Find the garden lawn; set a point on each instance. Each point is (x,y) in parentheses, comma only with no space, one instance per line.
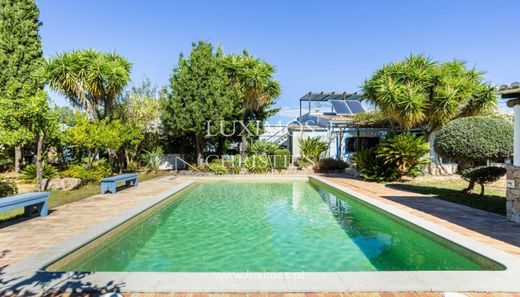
(58,198)
(450,189)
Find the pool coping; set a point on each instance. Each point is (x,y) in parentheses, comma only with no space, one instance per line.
(28,276)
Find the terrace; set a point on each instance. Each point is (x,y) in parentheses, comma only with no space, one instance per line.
(98,214)
(176,185)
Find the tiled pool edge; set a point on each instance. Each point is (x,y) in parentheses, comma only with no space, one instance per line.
(32,267)
(504,281)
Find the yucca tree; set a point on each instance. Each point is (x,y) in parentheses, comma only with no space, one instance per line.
(311,148)
(421,93)
(259,88)
(89,79)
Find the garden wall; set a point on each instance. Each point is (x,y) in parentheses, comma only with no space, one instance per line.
(441,169)
(513,194)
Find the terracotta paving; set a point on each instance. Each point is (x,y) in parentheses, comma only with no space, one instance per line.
(352,294)
(489,228)
(22,239)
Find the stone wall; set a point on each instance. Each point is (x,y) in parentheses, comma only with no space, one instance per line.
(513,194)
(441,169)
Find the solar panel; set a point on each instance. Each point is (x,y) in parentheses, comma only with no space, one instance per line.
(355,106)
(340,107)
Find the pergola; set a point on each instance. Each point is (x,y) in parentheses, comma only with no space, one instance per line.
(512,93)
(323,97)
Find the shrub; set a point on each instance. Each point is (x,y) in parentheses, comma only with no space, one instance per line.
(217,167)
(29,172)
(132,165)
(406,151)
(234,164)
(261,147)
(281,159)
(311,148)
(372,168)
(6,159)
(199,168)
(475,139)
(153,159)
(7,188)
(330,164)
(95,173)
(482,175)
(258,164)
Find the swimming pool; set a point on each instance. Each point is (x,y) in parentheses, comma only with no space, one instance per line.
(269,226)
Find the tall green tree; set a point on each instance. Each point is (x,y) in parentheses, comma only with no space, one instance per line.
(89,79)
(20,59)
(421,93)
(258,88)
(140,108)
(38,120)
(108,135)
(198,92)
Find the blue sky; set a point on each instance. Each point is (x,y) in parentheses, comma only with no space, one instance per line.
(315,45)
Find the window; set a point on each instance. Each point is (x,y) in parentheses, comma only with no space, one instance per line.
(364,143)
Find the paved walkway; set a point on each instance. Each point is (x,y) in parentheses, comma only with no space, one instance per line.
(353,294)
(489,228)
(23,239)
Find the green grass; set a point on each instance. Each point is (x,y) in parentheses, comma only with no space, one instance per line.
(494,199)
(58,198)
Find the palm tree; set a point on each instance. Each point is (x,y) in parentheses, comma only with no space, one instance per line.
(89,79)
(421,93)
(259,88)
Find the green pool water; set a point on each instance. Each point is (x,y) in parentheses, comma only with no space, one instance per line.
(239,226)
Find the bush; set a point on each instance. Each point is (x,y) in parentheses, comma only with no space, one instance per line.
(408,152)
(258,164)
(6,159)
(217,167)
(29,172)
(482,175)
(95,173)
(475,140)
(153,159)
(281,159)
(330,164)
(311,149)
(372,168)
(233,166)
(261,147)
(7,188)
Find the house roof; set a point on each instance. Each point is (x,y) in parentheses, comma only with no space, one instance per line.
(322,96)
(509,91)
(512,92)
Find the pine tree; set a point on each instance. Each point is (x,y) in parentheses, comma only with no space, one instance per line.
(21,59)
(199,93)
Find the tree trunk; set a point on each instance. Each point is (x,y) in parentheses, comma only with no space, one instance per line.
(198,145)
(481,189)
(470,187)
(121,160)
(243,144)
(127,157)
(18,158)
(108,108)
(221,142)
(39,164)
(243,133)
